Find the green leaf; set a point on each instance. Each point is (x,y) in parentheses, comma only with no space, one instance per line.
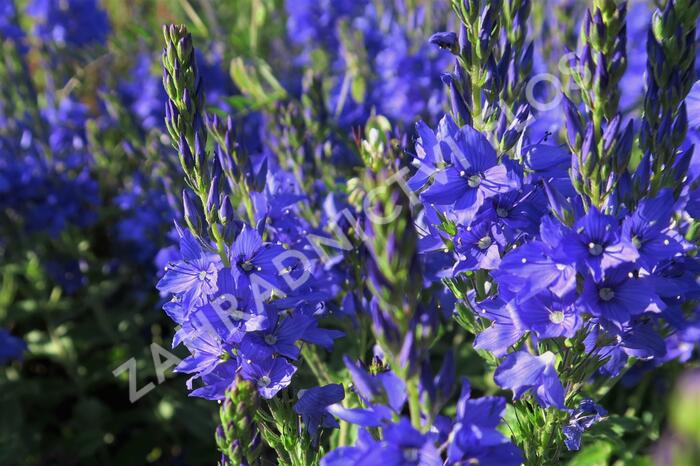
(596,454)
(358,89)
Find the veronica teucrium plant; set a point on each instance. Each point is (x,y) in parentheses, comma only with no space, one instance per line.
(382,232)
(337,281)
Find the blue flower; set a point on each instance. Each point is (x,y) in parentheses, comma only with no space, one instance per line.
(280,339)
(143,93)
(314,23)
(401,445)
(207,351)
(195,276)
(269,375)
(408,83)
(471,170)
(620,296)
(538,266)
(250,256)
(313,407)
(11,347)
(597,244)
(515,215)
(69,22)
(217,381)
(375,391)
(506,329)
(550,317)
(547,161)
(522,372)
(648,228)
(230,313)
(9,28)
(641,341)
(476,247)
(582,419)
(475,438)
(445,40)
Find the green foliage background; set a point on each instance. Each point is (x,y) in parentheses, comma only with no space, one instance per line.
(62,405)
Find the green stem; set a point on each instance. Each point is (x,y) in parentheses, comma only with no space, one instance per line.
(316,365)
(476,98)
(245,195)
(414,406)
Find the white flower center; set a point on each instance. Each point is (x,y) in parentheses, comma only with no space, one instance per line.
(410,454)
(484,243)
(474,181)
(606,294)
(595,249)
(264,381)
(556,317)
(270,339)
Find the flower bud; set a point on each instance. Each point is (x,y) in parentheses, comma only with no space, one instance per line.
(589,151)
(445,40)
(190,212)
(558,204)
(213,195)
(459,107)
(623,149)
(225,210)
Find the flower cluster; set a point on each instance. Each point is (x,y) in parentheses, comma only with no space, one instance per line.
(567,258)
(365,46)
(74,23)
(242,302)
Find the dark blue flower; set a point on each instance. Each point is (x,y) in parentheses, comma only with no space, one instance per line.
(547,161)
(444,40)
(476,247)
(582,419)
(401,445)
(464,169)
(230,313)
(538,266)
(143,93)
(648,228)
(217,381)
(597,244)
(515,215)
(269,375)
(11,347)
(251,257)
(375,391)
(382,387)
(620,296)
(550,317)
(475,438)
(280,339)
(313,407)
(506,329)
(195,276)
(207,352)
(69,22)
(522,372)
(9,26)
